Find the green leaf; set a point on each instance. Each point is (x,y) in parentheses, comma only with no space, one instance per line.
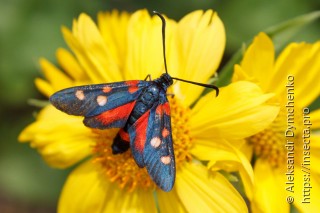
(226,72)
(230,176)
(38,103)
(283,32)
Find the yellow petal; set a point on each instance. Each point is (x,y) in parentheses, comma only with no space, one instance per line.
(121,200)
(92,53)
(307,190)
(56,77)
(170,202)
(290,68)
(240,75)
(315,139)
(315,119)
(295,60)
(238,112)
(270,192)
(97,51)
(200,191)
(44,87)
(236,164)
(66,152)
(144,46)
(245,148)
(81,56)
(113,27)
(223,156)
(204,150)
(315,159)
(199,43)
(70,64)
(84,191)
(258,60)
(88,190)
(61,139)
(307,86)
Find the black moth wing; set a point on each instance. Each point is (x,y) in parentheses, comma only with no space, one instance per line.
(82,100)
(95,101)
(156,151)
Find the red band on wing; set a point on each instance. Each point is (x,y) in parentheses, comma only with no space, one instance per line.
(132,82)
(133,89)
(124,135)
(159,110)
(119,113)
(141,132)
(166,108)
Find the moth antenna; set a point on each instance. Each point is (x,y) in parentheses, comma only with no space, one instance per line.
(211,86)
(163,39)
(165,59)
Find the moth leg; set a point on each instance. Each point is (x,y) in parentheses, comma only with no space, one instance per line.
(148,77)
(171,95)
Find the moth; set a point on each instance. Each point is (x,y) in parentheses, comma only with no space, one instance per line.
(140,109)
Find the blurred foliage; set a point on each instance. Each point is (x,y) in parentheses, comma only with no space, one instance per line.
(30,29)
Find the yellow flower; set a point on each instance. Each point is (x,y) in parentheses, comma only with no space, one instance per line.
(126,47)
(286,153)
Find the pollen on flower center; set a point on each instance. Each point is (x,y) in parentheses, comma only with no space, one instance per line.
(182,141)
(270,143)
(122,169)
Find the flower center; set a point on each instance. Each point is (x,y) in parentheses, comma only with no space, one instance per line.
(122,169)
(270,143)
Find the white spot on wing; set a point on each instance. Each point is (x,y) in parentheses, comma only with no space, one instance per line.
(166,159)
(155,142)
(80,95)
(101,100)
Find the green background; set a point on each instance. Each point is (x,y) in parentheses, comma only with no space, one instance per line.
(31,29)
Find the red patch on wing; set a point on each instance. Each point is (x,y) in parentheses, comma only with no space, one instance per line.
(166,108)
(124,135)
(159,110)
(119,113)
(133,85)
(106,89)
(141,132)
(165,132)
(133,89)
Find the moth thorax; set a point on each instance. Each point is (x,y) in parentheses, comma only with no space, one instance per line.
(164,81)
(150,95)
